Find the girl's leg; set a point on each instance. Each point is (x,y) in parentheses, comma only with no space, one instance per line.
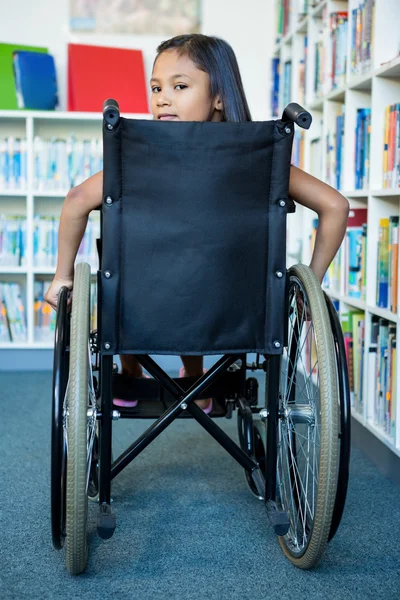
(193,365)
(130,365)
(193,368)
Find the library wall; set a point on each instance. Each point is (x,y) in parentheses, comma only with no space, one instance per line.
(46,23)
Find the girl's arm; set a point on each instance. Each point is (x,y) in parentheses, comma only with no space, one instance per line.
(333,211)
(80,201)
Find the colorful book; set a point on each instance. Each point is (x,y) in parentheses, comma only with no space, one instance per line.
(383,264)
(8,96)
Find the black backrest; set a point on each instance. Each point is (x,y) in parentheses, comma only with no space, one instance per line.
(193,228)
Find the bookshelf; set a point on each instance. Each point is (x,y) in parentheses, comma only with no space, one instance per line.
(30,200)
(372,83)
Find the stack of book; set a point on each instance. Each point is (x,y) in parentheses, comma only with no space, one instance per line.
(45,242)
(13,164)
(351,257)
(353,326)
(286,13)
(362,36)
(60,164)
(391,147)
(363,138)
(338,43)
(45,316)
(334,153)
(388,263)
(12,313)
(355,254)
(381,374)
(12,241)
(320,59)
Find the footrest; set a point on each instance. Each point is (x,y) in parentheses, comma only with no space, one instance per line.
(278,518)
(106,522)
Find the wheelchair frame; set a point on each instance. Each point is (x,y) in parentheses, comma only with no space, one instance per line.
(293,113)
(184,401)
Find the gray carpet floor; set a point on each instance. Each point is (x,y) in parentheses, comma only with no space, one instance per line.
(187,525)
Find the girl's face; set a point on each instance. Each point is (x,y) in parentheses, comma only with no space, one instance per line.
(181,92)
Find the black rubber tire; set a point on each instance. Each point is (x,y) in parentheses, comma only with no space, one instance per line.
(58,441)
(344,418)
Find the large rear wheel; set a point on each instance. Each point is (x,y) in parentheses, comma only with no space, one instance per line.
(307,461)
(81,424)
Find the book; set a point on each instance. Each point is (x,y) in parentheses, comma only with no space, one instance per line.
(275,86)
(362,36)
(355,283)
(62,163)
(35,80)
(8,96)
(372,366)
(354,253)
(13,311)
(382,288)
(393,392)
(391,147)
(88,87)
(12,240)
(362,138)
(5,334)
(13,163)
(394,263)
(358,329)
(44,316)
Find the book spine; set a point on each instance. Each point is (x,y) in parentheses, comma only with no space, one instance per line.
(382,279)
(372,356)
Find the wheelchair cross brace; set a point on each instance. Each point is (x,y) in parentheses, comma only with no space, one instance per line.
(184,401)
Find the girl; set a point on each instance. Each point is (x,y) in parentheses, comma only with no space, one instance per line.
(196,78)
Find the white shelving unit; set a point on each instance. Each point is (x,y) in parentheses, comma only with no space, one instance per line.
(376,88)
(29,202)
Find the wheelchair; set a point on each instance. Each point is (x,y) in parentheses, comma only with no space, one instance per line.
(204,207)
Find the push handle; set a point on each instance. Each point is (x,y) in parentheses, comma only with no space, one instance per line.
(299,115)
(111,112)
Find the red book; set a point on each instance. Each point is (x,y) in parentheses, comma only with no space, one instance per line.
(96,73)
(357,217)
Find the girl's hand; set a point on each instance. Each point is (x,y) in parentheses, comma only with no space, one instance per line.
(51,296)
(303,311)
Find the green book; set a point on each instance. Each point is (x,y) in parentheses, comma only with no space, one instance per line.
(8,96)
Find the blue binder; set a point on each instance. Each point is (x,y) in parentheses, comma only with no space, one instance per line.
(35,80)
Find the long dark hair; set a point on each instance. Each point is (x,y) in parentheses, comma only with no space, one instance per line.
(217,58)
